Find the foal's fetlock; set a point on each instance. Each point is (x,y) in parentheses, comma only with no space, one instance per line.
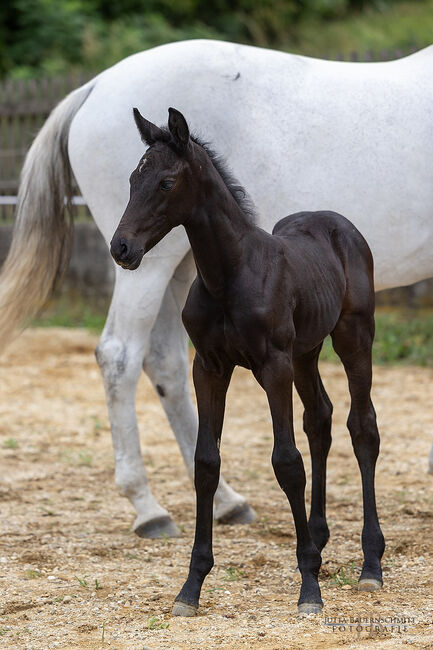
(186,602)
(310,600)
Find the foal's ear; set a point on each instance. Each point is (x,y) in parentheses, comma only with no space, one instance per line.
(178,128)
(149,132)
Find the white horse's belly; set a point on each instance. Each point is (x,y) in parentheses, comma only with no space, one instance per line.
(300,134)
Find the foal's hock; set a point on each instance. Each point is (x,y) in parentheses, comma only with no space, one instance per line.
(264,302)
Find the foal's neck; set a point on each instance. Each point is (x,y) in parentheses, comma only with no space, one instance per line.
(216,230)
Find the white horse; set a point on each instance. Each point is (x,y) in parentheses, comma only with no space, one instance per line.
(300,134)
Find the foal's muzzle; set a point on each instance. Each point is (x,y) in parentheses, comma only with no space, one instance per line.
(125,252)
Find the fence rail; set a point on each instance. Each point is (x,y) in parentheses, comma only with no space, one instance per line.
(26,103)
(24,106)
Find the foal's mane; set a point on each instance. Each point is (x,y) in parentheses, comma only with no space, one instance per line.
(237,191)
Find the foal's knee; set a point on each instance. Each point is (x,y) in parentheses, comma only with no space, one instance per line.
(317,423)
(207,469)
(289,468)
(364,433)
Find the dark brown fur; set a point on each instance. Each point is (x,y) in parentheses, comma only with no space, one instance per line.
(264,302)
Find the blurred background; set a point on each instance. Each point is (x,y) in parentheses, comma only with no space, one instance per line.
(49,47)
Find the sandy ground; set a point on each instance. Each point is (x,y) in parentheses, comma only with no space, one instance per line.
(73,575)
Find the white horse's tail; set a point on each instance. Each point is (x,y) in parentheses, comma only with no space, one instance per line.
(41,241)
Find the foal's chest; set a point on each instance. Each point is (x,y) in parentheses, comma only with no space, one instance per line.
(241,337)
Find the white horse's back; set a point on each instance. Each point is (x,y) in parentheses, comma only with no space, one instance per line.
(299,133)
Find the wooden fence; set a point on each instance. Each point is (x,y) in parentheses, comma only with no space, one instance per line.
(25,105)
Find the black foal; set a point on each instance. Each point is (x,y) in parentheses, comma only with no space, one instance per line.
(264,302)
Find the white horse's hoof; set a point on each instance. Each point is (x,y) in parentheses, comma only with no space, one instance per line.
(158,527)
(369,584)
(310,608)
(183,609)
(240,514)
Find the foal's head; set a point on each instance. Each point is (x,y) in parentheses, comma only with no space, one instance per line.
(163,188)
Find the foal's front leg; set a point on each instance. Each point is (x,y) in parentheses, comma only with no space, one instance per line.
(211,392)
(276,377)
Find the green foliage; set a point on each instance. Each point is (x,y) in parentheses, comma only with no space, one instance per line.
(343,577)
(401,338)
(232,574)
(72,311)
(53,36)
(154,623)
(10,443)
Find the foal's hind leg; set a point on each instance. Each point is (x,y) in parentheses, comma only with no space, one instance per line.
(317,426)
(352,339)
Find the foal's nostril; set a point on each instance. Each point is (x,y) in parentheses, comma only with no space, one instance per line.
(123,249)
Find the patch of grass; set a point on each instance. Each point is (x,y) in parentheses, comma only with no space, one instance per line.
(401,338)
(69,310)
(10,443)
(166,539)
(98,585)
(32,574)
(83,582)
(97,425)
(156,624)
(131,556)
(232,574)
(80,458)
(85,459)
(343,577)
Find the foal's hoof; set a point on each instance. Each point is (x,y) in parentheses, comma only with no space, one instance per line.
(369,584)
(241,514)
(183,609)
(159,527)
(310,608)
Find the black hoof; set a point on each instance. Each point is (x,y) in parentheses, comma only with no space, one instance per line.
(241,514)
(159,527)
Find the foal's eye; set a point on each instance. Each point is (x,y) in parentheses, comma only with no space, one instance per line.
(166,185)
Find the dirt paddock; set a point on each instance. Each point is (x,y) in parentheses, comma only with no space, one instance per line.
(73,575)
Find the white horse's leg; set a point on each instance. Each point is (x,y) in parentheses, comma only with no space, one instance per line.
(123,345)
(167,366)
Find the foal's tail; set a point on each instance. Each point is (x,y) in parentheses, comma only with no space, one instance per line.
(41,241)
